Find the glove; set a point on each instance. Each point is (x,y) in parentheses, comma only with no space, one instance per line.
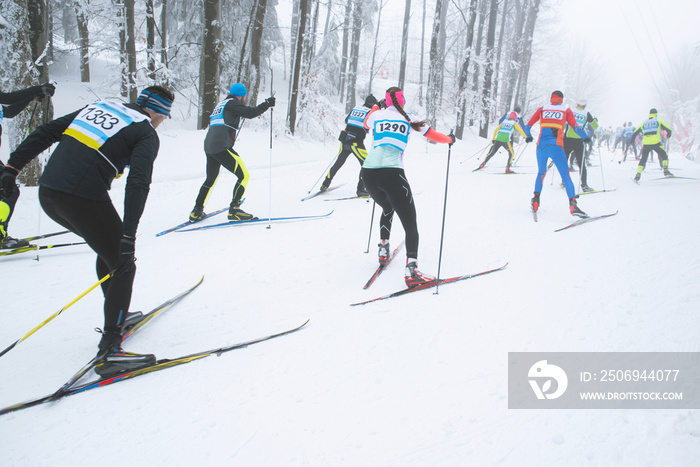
(528,139)
(127,250)
(668,134)
(587,140)
(48,89)
(453,137)
(270,101)
(382,104)
(8,182)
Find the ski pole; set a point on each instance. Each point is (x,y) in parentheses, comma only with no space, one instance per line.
(522,151)
(444,212)
(55,314)
(322,175)
(371,221)
(269,208)
(477,152)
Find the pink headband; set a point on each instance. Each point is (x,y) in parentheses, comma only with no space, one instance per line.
(399,97)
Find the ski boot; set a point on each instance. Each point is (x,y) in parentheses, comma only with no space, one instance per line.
(235,213)
(7,242)
(413,276)
(384,252)
(668,174)
(587,189)
(509,170)
(120,361)
(574,209)
(325,185)
(535,202)
(197,214)
(131,320)
(362,193)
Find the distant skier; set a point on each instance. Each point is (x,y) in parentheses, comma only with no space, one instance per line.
(224,124)
(574,144)
(628,141)
(651,130)
(95,145)
(501,139)
(550,145)
(11,104)
(385,179)
(352,141)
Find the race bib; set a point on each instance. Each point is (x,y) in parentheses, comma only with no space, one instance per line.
(96,123)
(217,116)
(393,133)
(553,115)
(357,117)
(650,127)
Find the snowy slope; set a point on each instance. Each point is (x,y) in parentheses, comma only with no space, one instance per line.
(417,380)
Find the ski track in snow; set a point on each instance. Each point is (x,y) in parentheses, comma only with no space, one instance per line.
(416,380)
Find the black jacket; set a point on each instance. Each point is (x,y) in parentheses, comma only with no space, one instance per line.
(79,170)
(220,137)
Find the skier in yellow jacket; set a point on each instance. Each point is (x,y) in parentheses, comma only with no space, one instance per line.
(501,139)
(651,141)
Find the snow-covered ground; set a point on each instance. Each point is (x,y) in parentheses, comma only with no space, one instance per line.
(415,380)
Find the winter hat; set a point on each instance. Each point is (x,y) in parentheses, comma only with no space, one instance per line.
(238,90)
(148,99)
(513,116)
(370,101)
(399,97)
(653,112)
(582,103)
(557,97)
(517,108)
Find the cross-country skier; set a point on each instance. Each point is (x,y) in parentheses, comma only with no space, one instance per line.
(385,179)
(352,141)
(224,123)
(574,143)
(95,144)
(651,141)
(11,104)
(628,141)
(501,139)
(550,145)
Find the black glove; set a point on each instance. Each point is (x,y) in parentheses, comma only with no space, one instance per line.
(382,104)
(587,140)
(270,101)
(8,183)
(127,250)
(668,134)
(528,139)
(453,137)
(48,89)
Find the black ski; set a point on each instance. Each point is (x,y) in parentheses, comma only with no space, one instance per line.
(585,220)
(313,195)
(24,249)
(185,224)
(673,176)
(595,191)
(161,364)
(349,197)
(37,237)
(429,285)
(382,267)
(128,333)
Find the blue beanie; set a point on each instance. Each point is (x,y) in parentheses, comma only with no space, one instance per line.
(238,90)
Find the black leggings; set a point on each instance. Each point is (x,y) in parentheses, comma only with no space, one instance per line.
(658,149)
(234,164)
(101,227)
(498,145)
(389,188)
(347,148)
(576,147)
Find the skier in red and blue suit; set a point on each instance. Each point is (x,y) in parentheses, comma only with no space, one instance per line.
(550,145)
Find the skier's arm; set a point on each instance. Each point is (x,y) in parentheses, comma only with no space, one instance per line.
(520,130)
(438,137)
(138,181)
(40,140)
(25,95)
(571,121)
(665,126)
(496,132)
(13,109)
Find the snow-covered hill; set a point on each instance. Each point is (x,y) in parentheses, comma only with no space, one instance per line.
(416,380)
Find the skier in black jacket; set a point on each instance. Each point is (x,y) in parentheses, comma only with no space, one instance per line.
(96,143)
(11,104)
(224,124)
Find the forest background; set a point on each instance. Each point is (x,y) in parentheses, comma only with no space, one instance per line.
(462,63)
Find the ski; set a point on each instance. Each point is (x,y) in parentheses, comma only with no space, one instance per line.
(53,234)
(24,249)
(595,191)
(255,221)
(349,197)
(315,194)
(585,220)
(128,333)
(382,267)
(185,224)
(429,285)
(161,364)
(673,176)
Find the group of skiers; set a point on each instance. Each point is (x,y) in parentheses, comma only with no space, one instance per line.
(97,142)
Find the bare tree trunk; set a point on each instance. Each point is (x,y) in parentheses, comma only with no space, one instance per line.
(464,72)
(43,111)
(477,54)
(131,48)
(497,65)
(84,37)
(521,96)
(354,56)
(150,41)
(512,70)
(488,71)
(255,48)
(243,64)
(209,64)
(164,33)
(435,70)
(344,53)
(422,53)
(296,78)
(404,43)
(382,3)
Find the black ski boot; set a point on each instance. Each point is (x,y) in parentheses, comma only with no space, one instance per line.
(197,214)
(574,209)
(235,213)
(120,361)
